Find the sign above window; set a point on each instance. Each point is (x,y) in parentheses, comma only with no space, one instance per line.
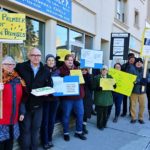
(60,9)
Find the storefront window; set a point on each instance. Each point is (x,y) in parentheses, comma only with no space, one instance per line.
(35,38)
(75,36)
(88,42)
(61,37)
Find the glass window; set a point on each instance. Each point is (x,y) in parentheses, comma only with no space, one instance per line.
(88,42)
(35,38)
(61,37)
(136,19)
(75,36)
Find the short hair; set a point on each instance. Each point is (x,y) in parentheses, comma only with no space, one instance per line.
(67,56)
(8,59)
(117,64)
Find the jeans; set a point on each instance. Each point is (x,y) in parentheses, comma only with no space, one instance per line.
(48,122)
(118,101)
(29,128)
(77,107)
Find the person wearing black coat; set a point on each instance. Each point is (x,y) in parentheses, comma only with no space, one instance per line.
(35,76)
(87,100)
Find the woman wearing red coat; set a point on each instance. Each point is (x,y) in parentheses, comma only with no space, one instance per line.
(12,89)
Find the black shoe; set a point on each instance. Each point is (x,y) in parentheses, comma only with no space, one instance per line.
(93,112)
(80,136)
(66,137)
(46,146)
(50,144)
(133,121)
(85,131)
(123,115)
(141,121)
(115,120)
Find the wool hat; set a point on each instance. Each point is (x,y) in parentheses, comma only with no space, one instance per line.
(48,56)
(139,60)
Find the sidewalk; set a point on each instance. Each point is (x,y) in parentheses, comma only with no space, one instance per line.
(117,136)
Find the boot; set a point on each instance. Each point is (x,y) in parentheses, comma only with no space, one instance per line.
(85,131)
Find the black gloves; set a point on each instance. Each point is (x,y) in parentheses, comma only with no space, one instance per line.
(114,86)
(143,81)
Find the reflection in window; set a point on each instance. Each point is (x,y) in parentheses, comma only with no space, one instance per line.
(75,36)
(88,42)
(61,37)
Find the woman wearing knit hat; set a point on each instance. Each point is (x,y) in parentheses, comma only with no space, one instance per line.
(49,107)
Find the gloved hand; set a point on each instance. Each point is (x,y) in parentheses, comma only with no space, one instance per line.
(143,81)
(99,89)
(115,86)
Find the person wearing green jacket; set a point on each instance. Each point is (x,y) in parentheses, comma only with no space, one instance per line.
(103,99)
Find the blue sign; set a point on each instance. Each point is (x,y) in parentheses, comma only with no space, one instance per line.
(61,9)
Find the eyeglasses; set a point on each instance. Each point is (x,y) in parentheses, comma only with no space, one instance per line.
(9,64)
(32,55)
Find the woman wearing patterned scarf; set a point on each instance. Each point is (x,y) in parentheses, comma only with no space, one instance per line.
(13,109)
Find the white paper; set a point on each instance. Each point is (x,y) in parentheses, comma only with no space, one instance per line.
(118,42)
(118,50)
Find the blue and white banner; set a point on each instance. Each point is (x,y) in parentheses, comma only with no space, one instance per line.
(66,86)
(61,9)
(91,59)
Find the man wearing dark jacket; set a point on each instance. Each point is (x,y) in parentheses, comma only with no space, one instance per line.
(35,76)
(126,67)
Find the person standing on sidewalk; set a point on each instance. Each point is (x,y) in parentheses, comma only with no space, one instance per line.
(137,93)
(35,76)
(126,67)
(49,107)
(103,99)
(13,88)
(87,100)
(117,98)
(70,103)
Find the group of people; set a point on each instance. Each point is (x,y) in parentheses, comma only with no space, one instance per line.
(26,116)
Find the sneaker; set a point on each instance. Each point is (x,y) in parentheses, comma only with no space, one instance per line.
(80,136)
(133,121)
(93,113)
(66,137)
(141,121)
(50,144)
(46,146)
(115,120)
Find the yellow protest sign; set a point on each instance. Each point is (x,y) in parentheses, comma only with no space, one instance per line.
(107,84)
(62,53)
(77,73)
(124,81)
(12,26)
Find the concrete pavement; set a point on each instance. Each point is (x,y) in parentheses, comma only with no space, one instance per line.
(117,136)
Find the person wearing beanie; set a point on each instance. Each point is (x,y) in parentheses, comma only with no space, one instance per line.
(126,67)
(49,107)
(137,93)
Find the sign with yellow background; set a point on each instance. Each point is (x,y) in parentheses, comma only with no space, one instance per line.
(62,53)
(12,26)
(78,73)
(124,81)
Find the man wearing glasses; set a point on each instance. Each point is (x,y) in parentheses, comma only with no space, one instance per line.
(35,76)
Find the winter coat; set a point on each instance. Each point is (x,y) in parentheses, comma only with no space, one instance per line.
(65,71)
(42,79)
(101,98)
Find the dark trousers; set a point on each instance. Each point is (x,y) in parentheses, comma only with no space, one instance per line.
(102,116)
(124,111)
(29,128)
(7,144)
(118,101)
(48,122)
(148,98)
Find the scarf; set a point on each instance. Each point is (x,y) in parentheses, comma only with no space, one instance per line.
(8,76)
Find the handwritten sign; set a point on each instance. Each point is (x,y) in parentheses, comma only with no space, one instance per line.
(91,58)
(12,26)
(69,85)
(124,81)
(107,84)
(62,53)
(78,73)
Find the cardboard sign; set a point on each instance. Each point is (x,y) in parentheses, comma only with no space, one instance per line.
(62,53)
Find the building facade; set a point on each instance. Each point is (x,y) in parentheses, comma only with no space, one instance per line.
(90,25)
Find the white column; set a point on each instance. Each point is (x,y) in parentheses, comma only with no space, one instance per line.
(50,37)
